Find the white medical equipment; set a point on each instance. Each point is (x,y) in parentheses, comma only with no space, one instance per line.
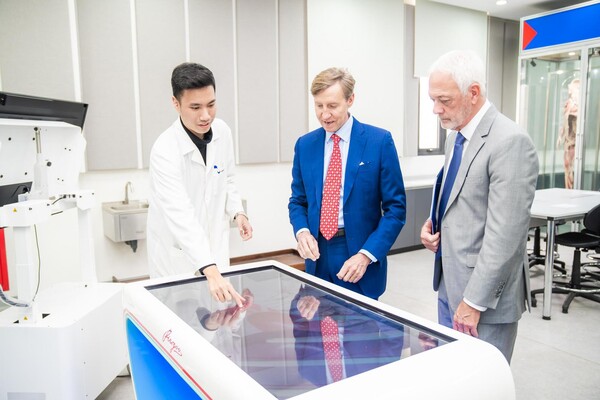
(54,342)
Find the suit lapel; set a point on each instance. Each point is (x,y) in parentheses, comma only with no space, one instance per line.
(434,200)
(358,141)
(475,145)
(317,148)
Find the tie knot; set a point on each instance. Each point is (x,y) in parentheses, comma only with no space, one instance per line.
(460,139)
(336,138)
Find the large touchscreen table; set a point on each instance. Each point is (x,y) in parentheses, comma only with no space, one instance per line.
(296,336)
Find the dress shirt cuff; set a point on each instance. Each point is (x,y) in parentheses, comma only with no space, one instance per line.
(240,213)
(300,231)
(475,306)
(366,253)
(203,323)
(201,269)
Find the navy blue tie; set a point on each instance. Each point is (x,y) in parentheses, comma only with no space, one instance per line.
(449,182)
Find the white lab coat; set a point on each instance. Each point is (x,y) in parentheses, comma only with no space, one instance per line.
(191,203)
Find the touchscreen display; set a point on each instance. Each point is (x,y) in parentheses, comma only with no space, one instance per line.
(292,336)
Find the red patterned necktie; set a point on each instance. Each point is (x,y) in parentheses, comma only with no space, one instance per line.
(331,347)
(330,205)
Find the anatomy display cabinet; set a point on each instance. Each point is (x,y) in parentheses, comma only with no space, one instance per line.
(559,94)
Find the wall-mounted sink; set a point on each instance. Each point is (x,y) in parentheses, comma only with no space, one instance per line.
(133,206)
(125,222)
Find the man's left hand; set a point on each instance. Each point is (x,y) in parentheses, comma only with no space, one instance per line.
(466,319)
(354,268)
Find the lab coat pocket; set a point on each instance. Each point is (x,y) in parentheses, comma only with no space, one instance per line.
(178,260)
(218,180)
(218,170)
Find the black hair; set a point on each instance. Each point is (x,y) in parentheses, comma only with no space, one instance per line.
(190,76)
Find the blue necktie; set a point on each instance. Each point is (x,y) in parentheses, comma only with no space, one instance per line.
(450,177)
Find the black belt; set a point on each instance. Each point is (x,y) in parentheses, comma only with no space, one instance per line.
(340,232)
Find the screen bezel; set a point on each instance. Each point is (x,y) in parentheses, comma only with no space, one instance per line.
(383,313)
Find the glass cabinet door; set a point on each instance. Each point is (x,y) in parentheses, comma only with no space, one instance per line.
(549,111)
(590,178)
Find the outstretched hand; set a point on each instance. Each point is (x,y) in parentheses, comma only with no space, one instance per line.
(220,288)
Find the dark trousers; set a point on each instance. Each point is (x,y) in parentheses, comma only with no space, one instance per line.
(334,253)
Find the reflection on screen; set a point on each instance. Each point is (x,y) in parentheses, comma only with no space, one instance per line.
(292,336)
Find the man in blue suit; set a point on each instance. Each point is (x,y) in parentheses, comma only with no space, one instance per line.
(372,204)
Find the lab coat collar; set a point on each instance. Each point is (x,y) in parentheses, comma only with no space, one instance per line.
(187,146)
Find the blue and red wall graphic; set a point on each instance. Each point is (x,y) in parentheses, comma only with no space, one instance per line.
(573,25)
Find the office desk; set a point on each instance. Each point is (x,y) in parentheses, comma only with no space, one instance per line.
(559,205)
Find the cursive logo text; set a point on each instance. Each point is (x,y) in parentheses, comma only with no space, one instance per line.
(171,343)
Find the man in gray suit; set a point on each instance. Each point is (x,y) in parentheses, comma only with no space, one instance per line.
(479,222)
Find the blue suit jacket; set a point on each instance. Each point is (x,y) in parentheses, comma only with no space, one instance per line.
(374,202)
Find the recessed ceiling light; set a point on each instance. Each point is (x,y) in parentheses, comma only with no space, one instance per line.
(501,2)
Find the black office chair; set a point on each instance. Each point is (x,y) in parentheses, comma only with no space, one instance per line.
(537,257)
(580,285)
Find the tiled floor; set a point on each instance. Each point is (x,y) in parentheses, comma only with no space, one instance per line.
(557,359)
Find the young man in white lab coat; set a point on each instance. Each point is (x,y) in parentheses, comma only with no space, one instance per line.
(192,192)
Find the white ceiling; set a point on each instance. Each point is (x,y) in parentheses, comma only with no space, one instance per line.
(514,9)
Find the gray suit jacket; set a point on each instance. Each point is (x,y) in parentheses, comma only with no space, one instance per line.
(484,228)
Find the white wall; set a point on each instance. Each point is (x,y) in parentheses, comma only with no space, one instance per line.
(440,28)
(341,33)
(368,39)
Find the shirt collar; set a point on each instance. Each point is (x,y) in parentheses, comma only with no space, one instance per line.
(469,129)
(343,132)
(204,141)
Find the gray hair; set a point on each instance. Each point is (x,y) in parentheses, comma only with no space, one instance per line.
(464,66)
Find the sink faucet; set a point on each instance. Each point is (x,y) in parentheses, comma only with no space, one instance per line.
(128,188)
